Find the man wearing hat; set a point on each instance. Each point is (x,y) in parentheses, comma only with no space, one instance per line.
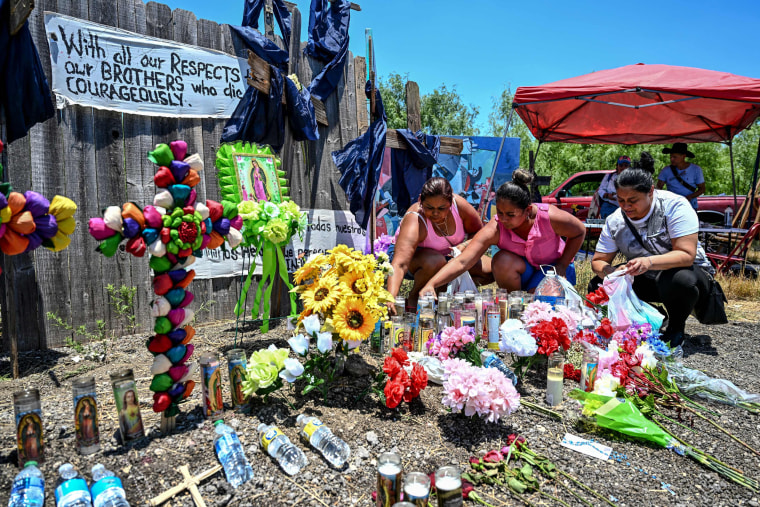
(682,177)
(607,192)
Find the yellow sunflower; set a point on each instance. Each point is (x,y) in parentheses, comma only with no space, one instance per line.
(311,269)
(352,320)
(355,281)
(322,295)
(348,263)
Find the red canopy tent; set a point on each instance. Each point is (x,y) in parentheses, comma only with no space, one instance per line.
(643,104)
(639,104)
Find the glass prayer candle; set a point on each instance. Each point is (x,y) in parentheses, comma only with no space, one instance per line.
(127,406)
(211,378)
(417,488)
(28,413)
(86,415)
(389,473)
(554,378)
(236,365)
(448,486)
(589,369)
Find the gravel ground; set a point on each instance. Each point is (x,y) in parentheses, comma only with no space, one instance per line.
(424,433)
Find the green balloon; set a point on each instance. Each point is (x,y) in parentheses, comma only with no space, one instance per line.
(163,325)
(161,383)
(109,246)
(160,264)
(162,155)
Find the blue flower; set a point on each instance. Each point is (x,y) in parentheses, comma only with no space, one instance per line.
(659,347)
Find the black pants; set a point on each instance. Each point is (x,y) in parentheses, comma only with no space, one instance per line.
(679,289)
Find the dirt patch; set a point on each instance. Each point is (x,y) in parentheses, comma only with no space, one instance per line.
(424,432)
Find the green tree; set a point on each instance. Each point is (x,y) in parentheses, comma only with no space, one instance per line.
(442,111)
(393,92)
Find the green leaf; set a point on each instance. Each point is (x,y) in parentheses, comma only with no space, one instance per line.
(308,389)
(516,485)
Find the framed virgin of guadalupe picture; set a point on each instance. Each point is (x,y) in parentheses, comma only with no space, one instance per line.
(248,172)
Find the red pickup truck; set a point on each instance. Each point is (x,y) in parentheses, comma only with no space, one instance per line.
(575,194)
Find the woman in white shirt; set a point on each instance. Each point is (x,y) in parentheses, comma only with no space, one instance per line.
(656,231)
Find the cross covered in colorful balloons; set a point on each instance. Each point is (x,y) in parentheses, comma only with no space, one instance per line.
(173,231)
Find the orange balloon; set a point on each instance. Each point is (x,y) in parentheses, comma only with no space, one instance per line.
(130,210)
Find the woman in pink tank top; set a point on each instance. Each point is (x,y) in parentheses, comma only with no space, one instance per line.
(428,232)
(528,235)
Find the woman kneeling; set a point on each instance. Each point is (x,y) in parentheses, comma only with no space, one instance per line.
(428,232)
(656,231)
(528,235)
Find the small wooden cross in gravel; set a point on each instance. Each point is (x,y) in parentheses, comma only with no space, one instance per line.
(190,483)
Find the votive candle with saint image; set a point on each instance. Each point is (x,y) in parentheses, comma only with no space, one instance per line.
(448,487)
(389,475)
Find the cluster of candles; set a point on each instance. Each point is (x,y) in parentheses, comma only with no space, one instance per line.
(28,408)
(484,311)
(391,481)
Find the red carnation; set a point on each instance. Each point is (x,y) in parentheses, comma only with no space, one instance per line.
(394,391)
(629,346)
(419,377)
(402,377)
(605,329)
(391,367)
(399,355)
(572,373)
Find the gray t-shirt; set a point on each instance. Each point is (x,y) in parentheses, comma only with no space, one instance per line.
(670,216)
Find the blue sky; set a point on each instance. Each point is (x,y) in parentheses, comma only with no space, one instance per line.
(483,46)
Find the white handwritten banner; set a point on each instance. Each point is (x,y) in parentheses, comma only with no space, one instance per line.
(326,229)
(108,68)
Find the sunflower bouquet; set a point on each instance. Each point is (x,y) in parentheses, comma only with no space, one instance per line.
(346,289)
(343,295)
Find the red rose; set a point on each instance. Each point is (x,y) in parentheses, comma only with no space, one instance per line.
(419,377)
(474,460)
(493,457)
(399,355)
(394,391)
(391,367)
(605,329)
(467,487)
(402,377)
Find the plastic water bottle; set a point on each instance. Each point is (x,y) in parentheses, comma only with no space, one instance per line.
(28,488)
(106,489)
(278,445)
(491,360)
(335,450)
(72,490)
(550,290)
(231,455)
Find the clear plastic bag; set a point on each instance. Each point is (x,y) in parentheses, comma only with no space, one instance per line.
(570,293)
(696,383)
(625,308)
(464,281)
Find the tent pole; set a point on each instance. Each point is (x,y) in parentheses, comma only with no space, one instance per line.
(733,173)
(751,194)
(489,186)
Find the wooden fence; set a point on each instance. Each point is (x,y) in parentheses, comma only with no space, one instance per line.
(98,158)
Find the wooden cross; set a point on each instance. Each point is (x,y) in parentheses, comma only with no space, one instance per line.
(190,483)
